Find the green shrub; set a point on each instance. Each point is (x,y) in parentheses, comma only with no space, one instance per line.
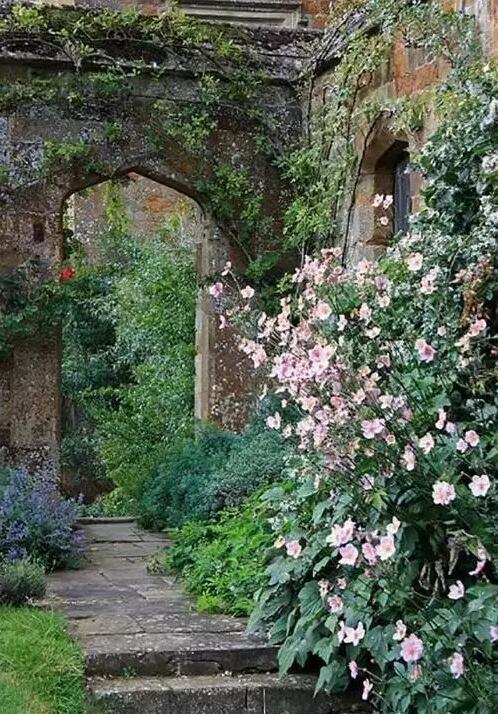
(21,581)
(218,469)
(223,561)
(115,504)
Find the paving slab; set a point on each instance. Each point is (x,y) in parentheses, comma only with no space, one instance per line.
(130,620)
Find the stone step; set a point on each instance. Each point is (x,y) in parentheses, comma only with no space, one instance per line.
(176,653)
(250,694)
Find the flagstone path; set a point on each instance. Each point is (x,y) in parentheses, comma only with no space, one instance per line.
(148,651)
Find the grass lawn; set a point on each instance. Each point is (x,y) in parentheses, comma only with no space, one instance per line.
(41,669)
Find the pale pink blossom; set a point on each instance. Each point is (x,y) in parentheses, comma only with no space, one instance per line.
(335,604)
(353,669)
(427,284)
(378,200)
(223,322)
(293,548)
(482,558)
(441,419)
(372,333)
(371,428)
(369,553)
(477,327)
(324,587)
(216,290)
(472,438)
(384,221)
(480,485)
(367,688)
(443,493)
(322,311)
(354,636)
(274,422)
(365,313)
(367,482)
(493,633)
(414,261)
(247,292)
(442,331)
(461,446)
(412,649)
(259,356)
(400,631)
(383,300)
(426,443)
(425,351)
(349,554)
(456,591)
(340,535)
(388,201)
(341,323)
(386,548)
(227,268)
(390,439)
(393,527)
(456,665)
(409,458)
(279,543)
(341,583)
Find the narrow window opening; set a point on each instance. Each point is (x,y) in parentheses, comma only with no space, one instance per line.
(38,232)
(402,194)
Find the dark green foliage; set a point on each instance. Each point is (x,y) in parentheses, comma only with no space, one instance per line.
(222,561)
(21,581)
(218,469)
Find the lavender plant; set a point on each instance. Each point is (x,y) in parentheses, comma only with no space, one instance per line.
(36,522)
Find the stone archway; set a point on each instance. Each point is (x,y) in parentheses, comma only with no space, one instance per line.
(74,137)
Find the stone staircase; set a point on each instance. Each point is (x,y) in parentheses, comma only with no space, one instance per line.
(148,652)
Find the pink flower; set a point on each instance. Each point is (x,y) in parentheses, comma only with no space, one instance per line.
(324,586)
(335,604)
(383,300)
(390,439)
(369,552)
(412,649)
(378,200)
(400,632)
(322,311)
(386,548)
(441,421)
(353,668)
(443,493)
(426,443)
(414,261)
(457,591)
(461,446)
(480,485)
(293,548)
(393,527)
(384,221)
(477,327)
(227,268)
(341,583)
(472,437)
(349,554)
(482,557)
(247,293)
(223,322)
(340,535)
(259,356)
(493,633)
(354,636)
(365,313)
(216,290)
(456,665)
(388,201)
(372,427)
(409,458)
(425,351)
(274,422)
(367,688)
(442,331)
(341,323)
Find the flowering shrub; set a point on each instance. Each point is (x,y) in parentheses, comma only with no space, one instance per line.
(383,561)
(36,522)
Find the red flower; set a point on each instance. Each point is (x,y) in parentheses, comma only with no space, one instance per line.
(66,274)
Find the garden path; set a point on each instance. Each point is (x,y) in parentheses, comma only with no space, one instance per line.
(148,651)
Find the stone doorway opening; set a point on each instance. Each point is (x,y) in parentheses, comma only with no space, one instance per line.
(131,282)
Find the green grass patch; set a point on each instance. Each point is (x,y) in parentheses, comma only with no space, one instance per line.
(41,668)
